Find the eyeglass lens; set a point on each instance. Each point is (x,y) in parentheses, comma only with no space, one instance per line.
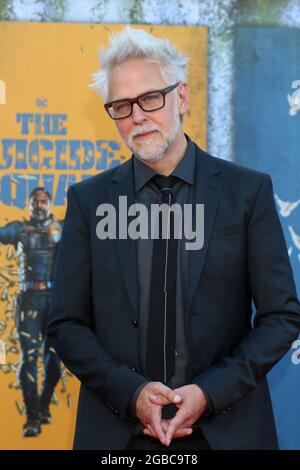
(148,102)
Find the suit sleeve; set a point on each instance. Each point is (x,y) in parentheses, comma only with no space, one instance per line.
(70,327)
(277,320)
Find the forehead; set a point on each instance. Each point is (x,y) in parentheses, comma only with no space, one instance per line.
(134,77)
(39,195)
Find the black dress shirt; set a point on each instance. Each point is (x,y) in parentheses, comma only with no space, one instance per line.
(147,193)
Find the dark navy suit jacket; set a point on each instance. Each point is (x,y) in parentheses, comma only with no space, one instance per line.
(94,316)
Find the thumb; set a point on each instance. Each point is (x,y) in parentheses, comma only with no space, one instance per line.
(162,390)
(165,400)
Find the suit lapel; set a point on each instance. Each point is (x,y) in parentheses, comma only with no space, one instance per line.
(122,185)
(207,191)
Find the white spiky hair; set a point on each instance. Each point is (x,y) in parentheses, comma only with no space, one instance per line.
(132,43)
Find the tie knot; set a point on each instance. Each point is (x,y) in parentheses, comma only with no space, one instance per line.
(164,183)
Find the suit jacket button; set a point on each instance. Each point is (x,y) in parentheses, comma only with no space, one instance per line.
(135,323)
(133,368)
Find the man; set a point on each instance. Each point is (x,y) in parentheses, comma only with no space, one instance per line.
(161,337)
(36,242)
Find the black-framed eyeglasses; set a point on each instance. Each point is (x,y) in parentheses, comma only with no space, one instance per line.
(148,102)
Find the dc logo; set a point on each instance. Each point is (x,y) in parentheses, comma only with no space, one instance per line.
(41,102)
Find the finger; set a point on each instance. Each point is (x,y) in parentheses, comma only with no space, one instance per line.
(150,430)
(156,424)
(160,389)
(184,430)
(178,433)
(159,400)
(147,432)
(176,423)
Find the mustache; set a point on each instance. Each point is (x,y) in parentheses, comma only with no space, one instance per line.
(142,130)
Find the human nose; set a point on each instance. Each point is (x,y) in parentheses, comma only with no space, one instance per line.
(138,115)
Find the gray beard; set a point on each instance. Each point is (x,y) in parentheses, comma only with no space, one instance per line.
(157,154)
(153,156)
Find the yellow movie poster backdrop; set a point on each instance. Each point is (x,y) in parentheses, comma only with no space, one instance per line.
(54,132)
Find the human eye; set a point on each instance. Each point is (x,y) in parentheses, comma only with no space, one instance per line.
(151,101)
(121,107)
(151,97)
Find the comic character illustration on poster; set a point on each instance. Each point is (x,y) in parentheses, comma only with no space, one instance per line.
(35,241)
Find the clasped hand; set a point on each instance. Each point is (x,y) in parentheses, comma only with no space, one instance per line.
(189,400)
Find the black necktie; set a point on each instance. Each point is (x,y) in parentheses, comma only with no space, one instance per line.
(161,333)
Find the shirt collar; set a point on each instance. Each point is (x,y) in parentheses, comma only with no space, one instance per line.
(185,170)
